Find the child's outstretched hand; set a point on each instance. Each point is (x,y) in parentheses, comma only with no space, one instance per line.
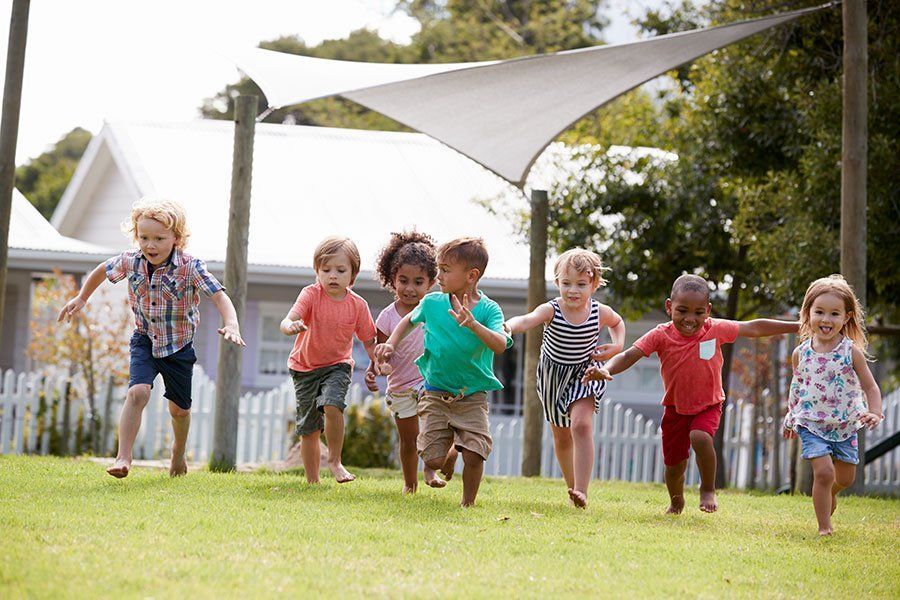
(604,352)
(870,419)
(371,384)
(788,434)
(383,352)
(70,309)
(596,373)
(232,334)
(461,312)
(295,327)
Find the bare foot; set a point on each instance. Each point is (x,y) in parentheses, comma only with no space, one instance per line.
(708,502)
(178,466)
(466,503)
(341,475)
(409,489)
(432,480)
(449,464)
(120,469)
(676,505)
(828,531)
(579,499)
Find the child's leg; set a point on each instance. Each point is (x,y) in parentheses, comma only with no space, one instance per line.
(449,464)
(408,431)
(311,455)
(129,424)
(702,443)
(334,438)
(181,424)
(844,474)
(563,445)
(582,412)
(473,470)
(823,483)
(675,486)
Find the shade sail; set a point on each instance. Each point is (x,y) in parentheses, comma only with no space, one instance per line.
(500,114)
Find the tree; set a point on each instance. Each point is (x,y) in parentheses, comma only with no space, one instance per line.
(44,179)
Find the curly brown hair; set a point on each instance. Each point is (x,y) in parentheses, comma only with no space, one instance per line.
(406,248)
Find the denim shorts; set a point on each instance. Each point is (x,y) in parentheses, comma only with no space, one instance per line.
(814,446)
(177,369)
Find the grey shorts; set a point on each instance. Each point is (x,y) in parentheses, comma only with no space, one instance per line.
(317,389)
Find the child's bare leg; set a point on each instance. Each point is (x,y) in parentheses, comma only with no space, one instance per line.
(823,483)
(473,470)
(334,438)
(583,441)
(675,485)
(408,430)
(311,455)
(702,443)
(562,444)
(449,464)
(129,424)
(844,474)
(181,424)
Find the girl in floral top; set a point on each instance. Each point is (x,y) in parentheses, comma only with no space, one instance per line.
(832,392)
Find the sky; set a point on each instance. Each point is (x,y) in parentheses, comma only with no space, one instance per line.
(87,61)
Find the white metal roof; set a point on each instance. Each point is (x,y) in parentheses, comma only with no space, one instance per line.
(30,231)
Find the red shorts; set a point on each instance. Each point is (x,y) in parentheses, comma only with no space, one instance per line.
(677,428)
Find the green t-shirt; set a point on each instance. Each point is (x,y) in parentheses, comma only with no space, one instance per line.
(455,360)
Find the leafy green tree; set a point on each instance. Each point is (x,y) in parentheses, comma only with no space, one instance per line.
(44,179)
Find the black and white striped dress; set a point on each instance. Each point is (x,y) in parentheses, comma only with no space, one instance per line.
(565,355)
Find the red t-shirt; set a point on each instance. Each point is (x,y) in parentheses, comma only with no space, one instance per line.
(691,367)
(332,323)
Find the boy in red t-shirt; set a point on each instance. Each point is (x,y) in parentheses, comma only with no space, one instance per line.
(690,355)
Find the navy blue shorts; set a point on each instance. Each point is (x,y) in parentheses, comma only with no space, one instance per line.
(177,369)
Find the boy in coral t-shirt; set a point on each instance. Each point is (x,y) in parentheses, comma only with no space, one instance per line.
(690,355)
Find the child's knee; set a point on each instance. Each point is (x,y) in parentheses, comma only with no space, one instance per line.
(333,412)
(823,471)
(700,439)
(582,426)
(139,395)
(177,412)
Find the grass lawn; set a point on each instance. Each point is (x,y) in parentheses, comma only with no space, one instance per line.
(69,530)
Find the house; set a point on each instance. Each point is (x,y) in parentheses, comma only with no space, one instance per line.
(308,182)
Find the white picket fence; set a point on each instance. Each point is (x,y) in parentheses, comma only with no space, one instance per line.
(628,445)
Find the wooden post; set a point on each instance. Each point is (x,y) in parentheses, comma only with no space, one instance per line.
(853,168)
(533,417)
(228,372)
(9,129)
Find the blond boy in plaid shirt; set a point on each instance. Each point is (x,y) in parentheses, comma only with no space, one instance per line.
(163,286)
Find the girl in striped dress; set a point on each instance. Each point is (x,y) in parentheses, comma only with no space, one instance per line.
(570,397)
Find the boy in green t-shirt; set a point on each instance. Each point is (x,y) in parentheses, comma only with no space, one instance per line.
(463,331)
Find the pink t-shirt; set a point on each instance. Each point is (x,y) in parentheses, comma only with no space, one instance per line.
(406,374)
(331,323)
(691,367)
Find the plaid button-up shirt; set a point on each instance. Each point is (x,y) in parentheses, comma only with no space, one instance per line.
(165,304)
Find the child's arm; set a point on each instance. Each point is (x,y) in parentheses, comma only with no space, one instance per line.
(231,331)
(616,325)
(787,429)
(292,324)
(89,286)
(494,340)
(874,415)
(617,364)
(384,351)
(766,327)
(522,323)
(374,370)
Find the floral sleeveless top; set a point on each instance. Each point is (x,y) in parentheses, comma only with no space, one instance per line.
(826,397)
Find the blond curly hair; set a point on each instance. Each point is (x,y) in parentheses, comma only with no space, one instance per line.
(167,212)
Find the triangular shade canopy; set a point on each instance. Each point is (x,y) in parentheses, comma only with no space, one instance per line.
(501,114)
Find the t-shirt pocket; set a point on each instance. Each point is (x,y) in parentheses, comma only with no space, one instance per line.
(707,349)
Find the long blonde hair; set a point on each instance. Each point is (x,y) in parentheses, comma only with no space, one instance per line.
(854,328)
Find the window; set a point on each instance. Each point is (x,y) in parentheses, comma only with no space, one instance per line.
(274,347)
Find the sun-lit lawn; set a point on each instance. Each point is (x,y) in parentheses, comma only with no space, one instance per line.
(69,530)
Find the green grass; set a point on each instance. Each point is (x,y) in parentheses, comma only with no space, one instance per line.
(69,530)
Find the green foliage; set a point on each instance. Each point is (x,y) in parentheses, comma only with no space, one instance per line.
(368,437)
(44,179)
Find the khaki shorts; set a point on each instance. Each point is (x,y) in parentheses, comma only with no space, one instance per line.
(443,415)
